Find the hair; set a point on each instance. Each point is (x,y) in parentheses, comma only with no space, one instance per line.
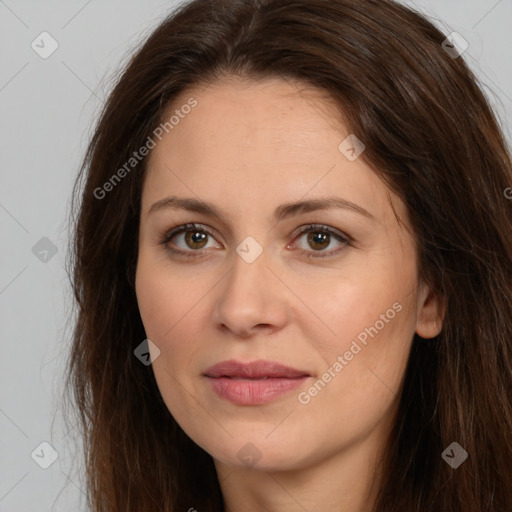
(430,135)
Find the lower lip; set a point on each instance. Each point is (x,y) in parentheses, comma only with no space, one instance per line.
(253,391)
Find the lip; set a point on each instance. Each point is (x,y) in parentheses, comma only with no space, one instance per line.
(253,370)
(253,383)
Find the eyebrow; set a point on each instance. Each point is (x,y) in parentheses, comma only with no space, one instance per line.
(282,212)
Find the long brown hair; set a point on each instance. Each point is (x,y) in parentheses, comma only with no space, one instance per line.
(430,134)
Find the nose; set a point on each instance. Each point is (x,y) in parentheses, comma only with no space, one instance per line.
(252,299)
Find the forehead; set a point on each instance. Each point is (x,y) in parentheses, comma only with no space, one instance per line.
(256,144)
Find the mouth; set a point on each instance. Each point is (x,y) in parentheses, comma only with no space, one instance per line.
(253,383)
(255,370)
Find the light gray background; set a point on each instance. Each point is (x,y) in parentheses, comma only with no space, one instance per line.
(48,108)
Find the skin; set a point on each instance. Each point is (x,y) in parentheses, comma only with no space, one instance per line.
(249,147)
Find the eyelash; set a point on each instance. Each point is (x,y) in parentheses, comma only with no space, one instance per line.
(346,240)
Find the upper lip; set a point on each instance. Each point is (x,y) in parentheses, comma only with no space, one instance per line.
(253,370)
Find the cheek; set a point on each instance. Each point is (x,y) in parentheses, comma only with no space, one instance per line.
(371,319)
(157,307)
(169,305)
(359,387)
(360,304)
(168,323)
(163,314)
(163,298)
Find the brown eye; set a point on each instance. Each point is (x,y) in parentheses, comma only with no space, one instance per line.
(196,239)
(187,240)
(318,240)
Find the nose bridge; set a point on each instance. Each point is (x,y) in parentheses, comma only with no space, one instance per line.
(250,296)
(247,273)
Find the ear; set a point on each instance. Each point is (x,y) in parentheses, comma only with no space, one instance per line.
(430,313)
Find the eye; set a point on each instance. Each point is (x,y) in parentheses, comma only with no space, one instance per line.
(194,239)
(192,236)
(320,237)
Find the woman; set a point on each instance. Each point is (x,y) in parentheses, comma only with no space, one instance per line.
(293,266)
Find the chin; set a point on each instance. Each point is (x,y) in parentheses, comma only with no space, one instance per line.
(259,454)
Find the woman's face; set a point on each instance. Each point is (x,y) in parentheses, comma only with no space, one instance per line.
(330,291)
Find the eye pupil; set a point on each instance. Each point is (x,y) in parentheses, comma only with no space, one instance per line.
(195,237)
(319,238)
